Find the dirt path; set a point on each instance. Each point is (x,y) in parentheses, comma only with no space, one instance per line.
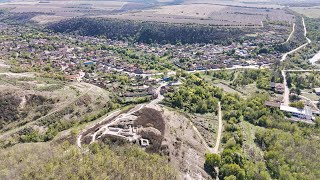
(293,29)
(201,137)
(111,115)
(214,150)
(310,101)
(121,116)
(37,120)
(216,147)
(286,89)
(284,57)
(160,97)
(19,75)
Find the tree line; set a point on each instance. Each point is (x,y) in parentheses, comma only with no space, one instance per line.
(148,32)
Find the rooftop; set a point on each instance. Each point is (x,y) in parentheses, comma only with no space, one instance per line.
(306,111)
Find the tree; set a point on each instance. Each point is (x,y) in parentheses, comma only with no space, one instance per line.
(298,104)
(212,161)
(232,177)
(317,121)
(232,169)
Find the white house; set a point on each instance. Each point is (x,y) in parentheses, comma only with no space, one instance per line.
(305,113)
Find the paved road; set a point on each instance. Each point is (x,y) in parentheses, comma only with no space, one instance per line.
(301,70)
(135,74)
(231,68)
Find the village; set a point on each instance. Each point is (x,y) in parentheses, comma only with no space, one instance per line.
(67,53)
(133,71)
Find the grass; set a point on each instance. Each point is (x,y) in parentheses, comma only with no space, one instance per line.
(248,89)
(227,88)
(251,149)
(311,96)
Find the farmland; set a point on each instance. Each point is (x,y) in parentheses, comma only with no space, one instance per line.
(218,13)
(311,12)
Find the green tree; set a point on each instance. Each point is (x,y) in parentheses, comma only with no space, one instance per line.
(232,169)
(212,161)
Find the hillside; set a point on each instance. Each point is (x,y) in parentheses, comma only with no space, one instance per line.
(147,32)
(51,160)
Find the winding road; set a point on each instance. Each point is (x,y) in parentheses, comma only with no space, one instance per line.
(286,93)
(284,57)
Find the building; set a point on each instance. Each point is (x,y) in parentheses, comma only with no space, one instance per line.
(277,87)
(305,113)
(317,91)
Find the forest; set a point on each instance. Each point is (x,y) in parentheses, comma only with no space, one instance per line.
(148,32)
(195,96)
(282,147)
(66,161)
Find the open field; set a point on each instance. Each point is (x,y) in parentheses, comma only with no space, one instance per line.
(208,14)
(311,12)
(57,10)
(225,13)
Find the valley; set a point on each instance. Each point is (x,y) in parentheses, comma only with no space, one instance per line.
(161,89)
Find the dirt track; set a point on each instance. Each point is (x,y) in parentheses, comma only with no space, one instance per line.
(216,147)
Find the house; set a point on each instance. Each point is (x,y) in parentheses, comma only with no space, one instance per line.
(317,91)
(305,113)
(279,88)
